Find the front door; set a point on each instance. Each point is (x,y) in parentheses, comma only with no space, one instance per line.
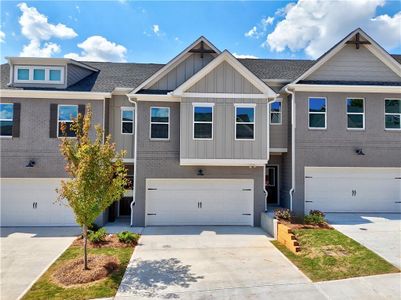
(125,209)
(271,184)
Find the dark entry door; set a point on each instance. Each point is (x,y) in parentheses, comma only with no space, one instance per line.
(125,209)
(271,183)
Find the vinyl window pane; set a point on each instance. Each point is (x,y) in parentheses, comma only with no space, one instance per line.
(203,130)
(128,115)
(39,74)
(6,128)
(393,106)
(6,111)
(317,105)
(317,121)
(68,132)
(355,121)
(55,75)
(355,105)
(275,107)
(159,131)
(275,118)
(245,131)
(159,114)
(245,114)
(66,113)
(393,121)
(23,74)
(127,127)
(203,114)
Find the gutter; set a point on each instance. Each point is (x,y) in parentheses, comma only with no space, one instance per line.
(135,152)
(293,125)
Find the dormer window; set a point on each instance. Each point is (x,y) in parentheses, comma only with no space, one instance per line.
(39,74)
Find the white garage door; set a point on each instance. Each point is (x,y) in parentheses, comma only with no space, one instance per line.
(199,202)
(31,202)
(353,189)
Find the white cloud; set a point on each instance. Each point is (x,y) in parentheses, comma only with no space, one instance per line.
(244,55)
(315,25)
(260,29)
(78,8)
(156,29)
(36,28)
(2,36)
(98,48)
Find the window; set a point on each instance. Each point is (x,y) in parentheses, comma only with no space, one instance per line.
(355,113)
(6,119)
(270,179)
(392,114)
(203,121)
(39,74)
(244,122)
(317,113)
(22,74)
(275,113)
(127,120)
(65,114)
(159,123)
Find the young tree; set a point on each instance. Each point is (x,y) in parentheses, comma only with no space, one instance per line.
(97,172)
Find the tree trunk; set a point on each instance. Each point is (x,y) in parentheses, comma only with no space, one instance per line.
(85,233)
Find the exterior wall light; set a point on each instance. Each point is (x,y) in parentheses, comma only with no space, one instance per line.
(359,151)
(30,164)
(200,172)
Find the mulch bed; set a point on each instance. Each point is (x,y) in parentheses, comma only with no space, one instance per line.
(72,272)
(305,226)
(110,241)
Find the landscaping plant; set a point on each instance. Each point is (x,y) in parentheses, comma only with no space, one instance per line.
(127,237)
(98,236)
(315,217)
(283,214)
(97,173)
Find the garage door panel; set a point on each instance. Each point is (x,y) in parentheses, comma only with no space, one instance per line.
(352,189)
(177,202)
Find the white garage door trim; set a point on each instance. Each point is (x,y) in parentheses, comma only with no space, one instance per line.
(32,202)
(193,201)
(353,189)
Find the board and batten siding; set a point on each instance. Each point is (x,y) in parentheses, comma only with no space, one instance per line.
(279,132)
(351,64)
(224,79)
(123,141)
(182,72)
(223,145)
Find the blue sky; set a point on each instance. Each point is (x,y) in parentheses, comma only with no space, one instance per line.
(157,31)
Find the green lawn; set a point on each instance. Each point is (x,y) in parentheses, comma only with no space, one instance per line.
(330,255)
(44,288)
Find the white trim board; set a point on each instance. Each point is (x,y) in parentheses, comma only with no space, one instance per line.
(345,88)
(36,94)
(224,95)
(223,162)
(240,68)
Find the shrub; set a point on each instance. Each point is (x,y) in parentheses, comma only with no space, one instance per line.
(94,227)
(314,219)
(97,236)
(282,213)
(317,213)
(127,237)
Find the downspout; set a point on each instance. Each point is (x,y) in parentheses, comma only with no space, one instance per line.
(293,125)
(135,150)
(11,72)
(268,148)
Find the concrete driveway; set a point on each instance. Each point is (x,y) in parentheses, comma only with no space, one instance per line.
(26,252)
(380,233)
(211,263)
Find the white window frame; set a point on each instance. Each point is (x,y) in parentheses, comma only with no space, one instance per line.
(280,112)
(390,114)
(150,124)
(355,113)
(202,122)
(58,121)
(12,120)
(47,74)
(317,113)
(245,105)
(127,108)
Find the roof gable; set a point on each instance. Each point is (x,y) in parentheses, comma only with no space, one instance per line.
(225,62)
(341,54)
(201,44)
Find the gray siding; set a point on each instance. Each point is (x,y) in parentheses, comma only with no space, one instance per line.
(224,79)
(182,72)
(34,142)
(335,147)
(279,133)
(76,73)
(351,64)
(123,141)
(223,145)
